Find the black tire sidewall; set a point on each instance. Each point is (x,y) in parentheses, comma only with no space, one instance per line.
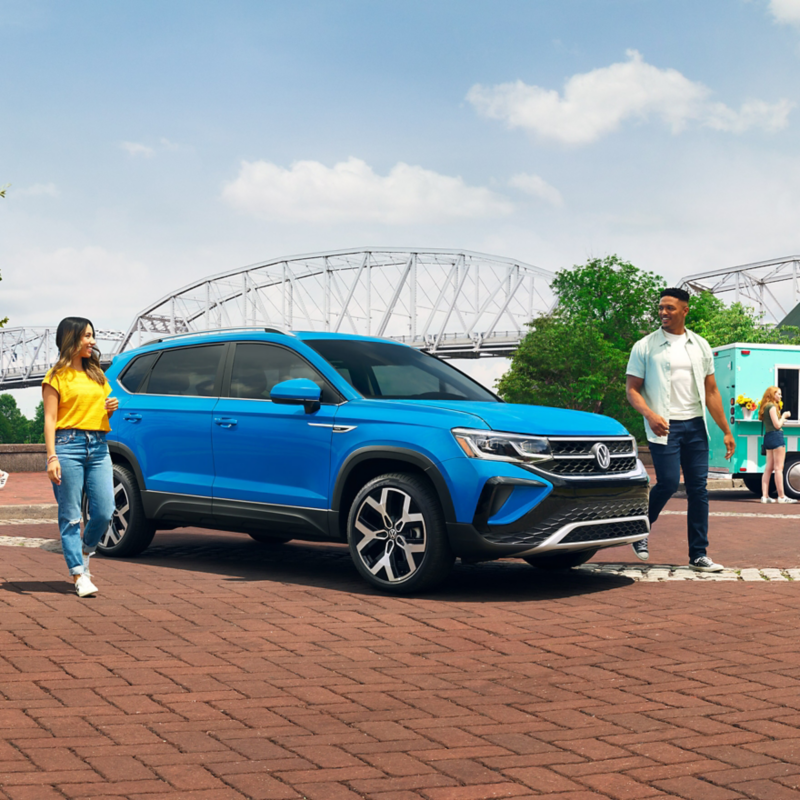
(140,530)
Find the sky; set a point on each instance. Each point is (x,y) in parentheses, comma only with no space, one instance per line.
(149,144)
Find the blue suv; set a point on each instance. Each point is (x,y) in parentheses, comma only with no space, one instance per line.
(332,437)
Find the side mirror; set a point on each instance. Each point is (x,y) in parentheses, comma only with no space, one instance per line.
(297,392)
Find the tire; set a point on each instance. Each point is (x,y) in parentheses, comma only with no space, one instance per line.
(397,536)
(791,479)
(564,560)
(265,538)
(130,532)
(752,481)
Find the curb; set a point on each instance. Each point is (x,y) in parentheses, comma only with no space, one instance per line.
(35,511)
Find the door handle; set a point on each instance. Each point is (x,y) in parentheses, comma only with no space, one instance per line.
(226,422)
(132,417)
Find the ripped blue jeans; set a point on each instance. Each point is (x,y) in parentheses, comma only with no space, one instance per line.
(85,469)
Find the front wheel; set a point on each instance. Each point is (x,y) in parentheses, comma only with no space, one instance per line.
(397,534)
(565,560)
(130,532)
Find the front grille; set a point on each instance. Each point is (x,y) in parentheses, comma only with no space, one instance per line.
(575,457)
(588,466)
(579,447)
(611,530)
(595,509)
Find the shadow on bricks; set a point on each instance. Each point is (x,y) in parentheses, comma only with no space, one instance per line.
(329,566)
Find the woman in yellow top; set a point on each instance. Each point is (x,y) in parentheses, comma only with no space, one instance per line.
(76,413)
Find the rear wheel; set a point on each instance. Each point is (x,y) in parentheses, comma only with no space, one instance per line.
(565,560)
(130,532)
(397,534)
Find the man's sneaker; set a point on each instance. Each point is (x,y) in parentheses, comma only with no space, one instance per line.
(786,500)
(705,564)
(767,499)
(84,586)
(640,549)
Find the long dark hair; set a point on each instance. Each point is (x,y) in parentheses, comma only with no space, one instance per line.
(68,340)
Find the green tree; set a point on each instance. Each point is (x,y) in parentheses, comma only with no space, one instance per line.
(36,425)
(576,357)
(13,424)
(619,300)
(721,324)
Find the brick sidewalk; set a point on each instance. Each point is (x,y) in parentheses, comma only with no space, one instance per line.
(276,673)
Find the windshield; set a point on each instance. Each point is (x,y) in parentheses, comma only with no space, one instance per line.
(384,371)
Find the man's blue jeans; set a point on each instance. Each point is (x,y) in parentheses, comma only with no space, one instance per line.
(85,468)
(687,449)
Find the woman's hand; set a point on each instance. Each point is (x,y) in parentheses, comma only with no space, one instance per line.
(54,471)
(786,414)
(112,404)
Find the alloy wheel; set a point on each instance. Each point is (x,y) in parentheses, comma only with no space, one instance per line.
(394,536)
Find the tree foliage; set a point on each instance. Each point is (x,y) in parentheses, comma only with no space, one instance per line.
(721,324)
(14,426)
(576,357)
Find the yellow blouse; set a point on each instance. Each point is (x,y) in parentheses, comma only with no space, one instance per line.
(81,402)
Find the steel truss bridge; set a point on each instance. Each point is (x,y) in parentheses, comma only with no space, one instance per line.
(455,304)
(771,287)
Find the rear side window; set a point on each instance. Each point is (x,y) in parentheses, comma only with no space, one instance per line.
(258,367)
(186,371)
(132,378)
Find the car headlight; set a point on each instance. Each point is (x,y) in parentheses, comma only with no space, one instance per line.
(495,446)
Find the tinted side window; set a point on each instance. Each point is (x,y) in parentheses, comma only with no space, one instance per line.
(131,379)
(186,370)
(258,367)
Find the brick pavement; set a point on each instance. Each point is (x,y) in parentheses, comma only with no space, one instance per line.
(212,667)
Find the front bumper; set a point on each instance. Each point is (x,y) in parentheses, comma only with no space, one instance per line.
(574,516)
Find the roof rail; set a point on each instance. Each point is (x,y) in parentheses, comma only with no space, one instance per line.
(220,330)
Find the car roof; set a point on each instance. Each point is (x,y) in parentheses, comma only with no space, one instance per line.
(249,334)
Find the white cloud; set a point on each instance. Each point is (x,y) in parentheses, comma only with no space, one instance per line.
(41,190)
(136,149)
(786,11)
(536,186)
(596,103)
(351,191)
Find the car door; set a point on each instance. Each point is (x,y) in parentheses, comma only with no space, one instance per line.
(166,421)
(265,452)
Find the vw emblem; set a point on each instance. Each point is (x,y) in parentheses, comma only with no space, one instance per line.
(602,456)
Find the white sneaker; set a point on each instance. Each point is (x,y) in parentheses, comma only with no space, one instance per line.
(705,564)
(767,499)
(786,500)
(84,586)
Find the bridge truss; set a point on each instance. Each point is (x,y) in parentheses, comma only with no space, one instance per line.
(771,287)
(27,353)
(456,304)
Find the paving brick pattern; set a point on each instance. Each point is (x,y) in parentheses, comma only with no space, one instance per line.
(213,667)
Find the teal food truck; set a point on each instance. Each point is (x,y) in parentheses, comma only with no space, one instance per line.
(748,369)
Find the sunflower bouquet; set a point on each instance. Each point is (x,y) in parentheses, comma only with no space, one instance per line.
(747,403)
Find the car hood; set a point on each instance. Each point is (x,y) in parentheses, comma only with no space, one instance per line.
(536,420)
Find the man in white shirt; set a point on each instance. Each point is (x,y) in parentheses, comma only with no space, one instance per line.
(670,382)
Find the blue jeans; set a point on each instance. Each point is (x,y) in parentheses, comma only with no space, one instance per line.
(85,468)
(687,449)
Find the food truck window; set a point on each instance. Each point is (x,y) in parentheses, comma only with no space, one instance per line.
(788,384)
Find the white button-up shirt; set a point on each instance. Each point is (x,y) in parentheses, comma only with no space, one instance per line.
(650,360)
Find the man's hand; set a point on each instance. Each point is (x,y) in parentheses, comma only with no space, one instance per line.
(658,424)
(730,444)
